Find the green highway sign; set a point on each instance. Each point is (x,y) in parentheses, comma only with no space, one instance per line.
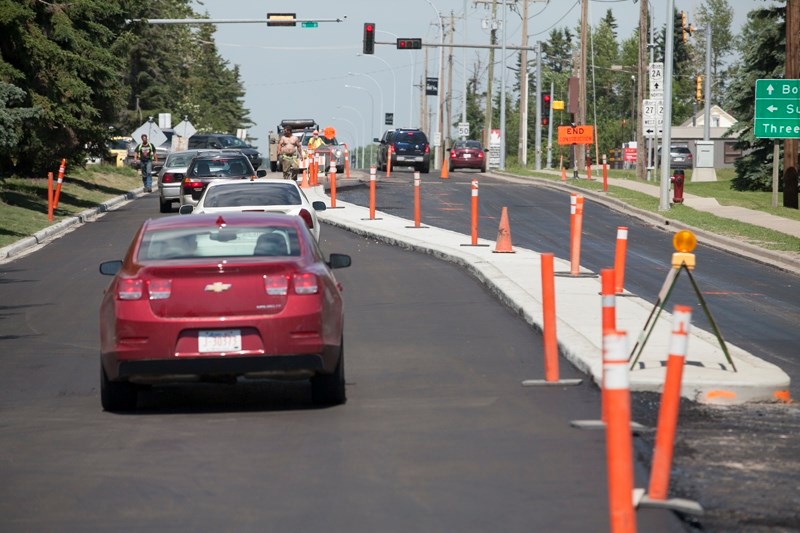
(309,24)
(777,109)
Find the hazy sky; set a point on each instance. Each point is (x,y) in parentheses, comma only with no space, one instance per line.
(303,72)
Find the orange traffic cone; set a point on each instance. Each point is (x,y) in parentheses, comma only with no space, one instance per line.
(445,166)
(563,170)
(504,235)
(304,184)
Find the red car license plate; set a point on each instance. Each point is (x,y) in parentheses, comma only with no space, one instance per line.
(219,340)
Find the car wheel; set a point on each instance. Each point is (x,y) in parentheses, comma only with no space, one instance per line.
(329,389)
(164,207)
(425,169)
(483,168)
(452,167)
(117,395)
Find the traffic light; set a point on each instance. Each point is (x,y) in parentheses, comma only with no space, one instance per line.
(698,83)
(686,28)
(409,44)
(369,38)
(546,100)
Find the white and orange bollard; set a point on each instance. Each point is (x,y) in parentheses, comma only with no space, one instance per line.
(372,179)
(474,213)
(668,420)
(605,173)
(549,337)
(50,196)
(346,162)
(620,254)
(575,240)
(332,179)
(61,171)
(417,207)
(389,161)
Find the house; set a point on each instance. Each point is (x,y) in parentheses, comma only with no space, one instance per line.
(691,131)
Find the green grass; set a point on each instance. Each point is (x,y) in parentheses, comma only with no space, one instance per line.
(23,201)
(720,189)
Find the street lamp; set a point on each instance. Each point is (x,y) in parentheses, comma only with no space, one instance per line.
(394,81)
(372,101)
(380,91)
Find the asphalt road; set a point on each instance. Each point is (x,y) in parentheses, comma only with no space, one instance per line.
(437,435)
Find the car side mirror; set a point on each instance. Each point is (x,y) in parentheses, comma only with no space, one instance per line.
(339,261)
(319,206)
(377,140)
(261,173)
(186,209)
(110,268)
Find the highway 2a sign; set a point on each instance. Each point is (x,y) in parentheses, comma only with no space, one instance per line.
(777,109)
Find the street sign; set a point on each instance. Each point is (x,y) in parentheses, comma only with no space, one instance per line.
(653,117)
(777,109)
(153,132)
(463,129)
(576,135)
(389,119)
(656,76)
(309,24)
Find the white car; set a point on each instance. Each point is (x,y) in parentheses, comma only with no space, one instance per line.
(258,195)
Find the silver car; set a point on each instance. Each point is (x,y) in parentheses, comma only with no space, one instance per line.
(259,195)
(171,175)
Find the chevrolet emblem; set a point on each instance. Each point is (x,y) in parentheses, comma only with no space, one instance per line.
(217,287)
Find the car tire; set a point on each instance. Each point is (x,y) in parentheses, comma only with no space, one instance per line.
(426,168)
(451,166)
(483,168)
(164,207)
(117,395)
(329,389)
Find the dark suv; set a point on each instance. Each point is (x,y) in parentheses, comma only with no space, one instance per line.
(410,148)
(225,141)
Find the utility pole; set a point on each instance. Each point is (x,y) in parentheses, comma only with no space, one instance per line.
(487,120)
(522,150)
(449,125)
(581,118)
(792,71)
(641,155)
(538,136)
(423,99)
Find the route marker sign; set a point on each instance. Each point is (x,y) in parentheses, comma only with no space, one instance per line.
(576,135)
(653,117)
(656,77)
(777,109)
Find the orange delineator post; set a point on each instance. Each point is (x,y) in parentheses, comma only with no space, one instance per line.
(575,244)
(474,218)
(619,439)
(619,259)
(332,178)
(61,171)
(609,325)
(50,196)
(346,162)
(605,174)
(670,405)
(573,205)
(372,194)
(389,161)
(549,318)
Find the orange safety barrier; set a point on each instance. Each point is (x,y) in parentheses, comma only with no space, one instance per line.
(445,174)
(61,171)
(575,241)
(332,178)
(416,200)
(619,439)
(670,404)
(619,259)
(50,196)
(503,244)
(609,324)
(474,218)
(389,161)
(346,162)
(372,194)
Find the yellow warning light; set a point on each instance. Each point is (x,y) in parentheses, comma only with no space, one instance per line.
(684,242)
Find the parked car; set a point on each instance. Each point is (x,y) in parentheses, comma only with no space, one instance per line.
(331,149)
(410,148)
(260,196)
(170,177)
(679,157)
(468,154)
(220,141)
(211,166)
(217,297)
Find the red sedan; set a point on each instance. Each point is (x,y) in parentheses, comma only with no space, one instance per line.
(222,296)
(468,154)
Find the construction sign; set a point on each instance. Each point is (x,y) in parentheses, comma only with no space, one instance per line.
(576,135)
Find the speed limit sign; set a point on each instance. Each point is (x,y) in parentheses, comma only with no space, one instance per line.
(463,129)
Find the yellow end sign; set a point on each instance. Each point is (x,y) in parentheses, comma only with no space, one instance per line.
(576,135)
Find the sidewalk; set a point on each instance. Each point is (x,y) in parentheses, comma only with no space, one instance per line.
(515,279)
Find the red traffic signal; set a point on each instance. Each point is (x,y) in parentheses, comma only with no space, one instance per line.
(409,44)
(369,38)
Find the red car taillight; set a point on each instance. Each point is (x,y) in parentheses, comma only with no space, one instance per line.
(480,155)
(303,283)
(305,215)
(427,148)
(452,154)
(170,177)
(189,184)
(133,289)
